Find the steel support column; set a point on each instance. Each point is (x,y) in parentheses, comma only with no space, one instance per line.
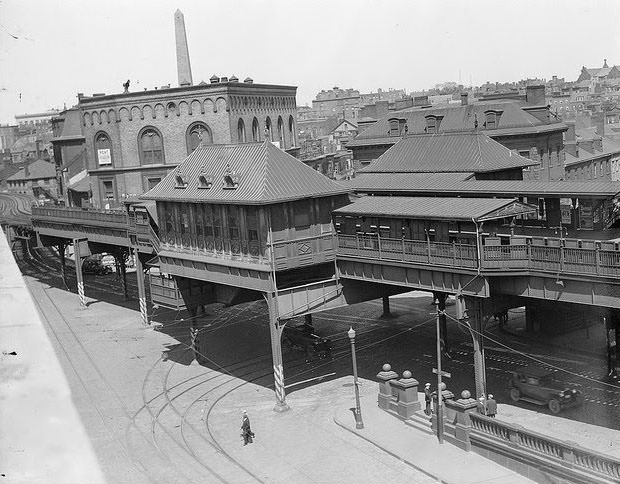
(141,289)
(275,331)
(476,328)
(193,332)
(123,268)
(386,305)
(78,273)
(63,266)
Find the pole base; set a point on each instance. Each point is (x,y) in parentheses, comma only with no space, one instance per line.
(281,407)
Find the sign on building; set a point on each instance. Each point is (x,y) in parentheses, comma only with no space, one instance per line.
(104,156)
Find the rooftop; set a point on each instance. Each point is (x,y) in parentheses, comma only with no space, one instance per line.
(37,170)
(422,184)
(515,118)
(250,173)
(447,152)
(434,208)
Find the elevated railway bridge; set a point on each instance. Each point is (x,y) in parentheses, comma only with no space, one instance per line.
(304,247)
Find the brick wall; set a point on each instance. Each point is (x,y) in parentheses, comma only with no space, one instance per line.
(172,112)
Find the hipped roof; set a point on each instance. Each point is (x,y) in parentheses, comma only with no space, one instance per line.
(435,208)
(264,174)
(447,152)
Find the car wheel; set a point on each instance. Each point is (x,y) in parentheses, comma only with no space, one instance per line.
(554,406)
(515,394)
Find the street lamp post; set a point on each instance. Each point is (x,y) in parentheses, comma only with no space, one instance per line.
(359,424)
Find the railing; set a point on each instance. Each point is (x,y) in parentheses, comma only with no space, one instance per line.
(403,250)
(553,259)
(600,260)
(80,214)
(564,455)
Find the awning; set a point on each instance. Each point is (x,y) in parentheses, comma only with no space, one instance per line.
(81,186)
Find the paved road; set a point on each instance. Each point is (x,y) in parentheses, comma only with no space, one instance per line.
(153,415)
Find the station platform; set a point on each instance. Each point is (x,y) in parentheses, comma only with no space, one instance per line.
(42,438)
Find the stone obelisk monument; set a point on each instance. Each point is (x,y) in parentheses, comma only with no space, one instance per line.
(184,67)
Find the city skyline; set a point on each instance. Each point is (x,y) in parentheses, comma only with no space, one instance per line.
(362,45)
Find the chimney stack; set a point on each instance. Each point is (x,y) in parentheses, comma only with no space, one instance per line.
(570,142)
(535,95)
(598,121)
(464,98)
(420,101)
(184,68)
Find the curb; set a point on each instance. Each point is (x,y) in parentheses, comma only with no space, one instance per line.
(387,451)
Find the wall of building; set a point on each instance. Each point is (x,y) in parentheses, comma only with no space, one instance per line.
(172,112)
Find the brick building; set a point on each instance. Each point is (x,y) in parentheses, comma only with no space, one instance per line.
(525,126)
(133,139)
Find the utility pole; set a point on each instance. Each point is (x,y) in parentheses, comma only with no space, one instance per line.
(439,383)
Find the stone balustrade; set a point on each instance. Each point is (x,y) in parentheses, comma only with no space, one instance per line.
(540,457)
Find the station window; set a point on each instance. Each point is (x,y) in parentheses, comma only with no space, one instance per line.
(301,210)
(251,220)
(233,222)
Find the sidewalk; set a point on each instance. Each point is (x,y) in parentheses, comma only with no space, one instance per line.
(447,463)
(421,450)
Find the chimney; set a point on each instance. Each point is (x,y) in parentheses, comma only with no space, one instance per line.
(420,101)
(598,143)
(569,135)
(598,121)
(535,95)
(184,68)
(464,98)
(38,148)
(586,145)
(26,170)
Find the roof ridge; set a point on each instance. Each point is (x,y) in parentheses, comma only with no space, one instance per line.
(265,147)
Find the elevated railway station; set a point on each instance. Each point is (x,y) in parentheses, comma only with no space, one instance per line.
(235,223)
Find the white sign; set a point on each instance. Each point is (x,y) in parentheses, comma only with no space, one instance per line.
(104,156)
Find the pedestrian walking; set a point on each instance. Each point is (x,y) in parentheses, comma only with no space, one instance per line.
(482,407)
(246,431)
(427,398)
(491,406)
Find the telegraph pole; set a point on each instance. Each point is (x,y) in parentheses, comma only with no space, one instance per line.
(439,375)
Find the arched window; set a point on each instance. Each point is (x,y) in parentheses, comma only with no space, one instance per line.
(151,146)
(281,132)
(198,133)
(291,130)
(103,149)
(241,131)
(268,133)
(255,130)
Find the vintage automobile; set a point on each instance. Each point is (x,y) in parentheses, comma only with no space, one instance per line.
(534,384)
(304,338)
(92,265)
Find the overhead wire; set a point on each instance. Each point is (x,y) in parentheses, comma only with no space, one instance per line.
(528,356)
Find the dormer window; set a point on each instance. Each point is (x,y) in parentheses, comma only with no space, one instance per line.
(432,124)
(180,181)
(231,179)
(394,128)
(205,181)
(491,119)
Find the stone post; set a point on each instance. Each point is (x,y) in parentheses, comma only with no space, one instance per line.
(461,409)
(385,388)
(407,388)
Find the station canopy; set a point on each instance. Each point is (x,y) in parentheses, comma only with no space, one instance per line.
(244,174)
(437,208)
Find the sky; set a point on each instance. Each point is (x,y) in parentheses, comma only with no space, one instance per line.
(52,49)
